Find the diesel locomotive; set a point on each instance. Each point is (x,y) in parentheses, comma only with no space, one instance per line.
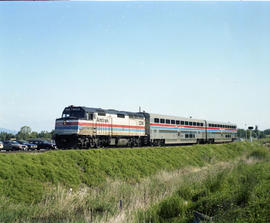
(83,127)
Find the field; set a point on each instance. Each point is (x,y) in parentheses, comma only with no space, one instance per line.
(125,185)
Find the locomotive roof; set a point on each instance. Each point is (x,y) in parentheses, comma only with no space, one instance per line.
(109,111)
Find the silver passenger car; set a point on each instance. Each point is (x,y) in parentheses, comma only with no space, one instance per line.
(166,129)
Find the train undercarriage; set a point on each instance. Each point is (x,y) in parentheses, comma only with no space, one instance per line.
(88,142)
(91,142)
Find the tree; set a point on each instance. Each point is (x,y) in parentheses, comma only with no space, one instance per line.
(6,136)
(241,133)
(267,131)
(24,132)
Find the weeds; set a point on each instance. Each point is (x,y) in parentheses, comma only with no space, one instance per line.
(237,194)
(87,186)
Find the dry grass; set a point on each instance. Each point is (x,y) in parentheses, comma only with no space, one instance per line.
(102,204)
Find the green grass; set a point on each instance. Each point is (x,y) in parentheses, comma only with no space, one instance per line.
(240,194)
(26,177)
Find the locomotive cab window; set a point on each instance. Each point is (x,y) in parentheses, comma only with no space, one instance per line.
(74,112)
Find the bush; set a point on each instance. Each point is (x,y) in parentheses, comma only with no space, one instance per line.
(26,177)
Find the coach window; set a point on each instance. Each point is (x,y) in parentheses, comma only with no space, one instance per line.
(194,123)
(186,123)
(190,123)
(182,122)
(167,121)
(162,120)
(101,114)
(120,115)
(172,121)
(156,120)
(177,122)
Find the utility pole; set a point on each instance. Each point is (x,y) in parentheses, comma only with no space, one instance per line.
(250,129)
(246,130)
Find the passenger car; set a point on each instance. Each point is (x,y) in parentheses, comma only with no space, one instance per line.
(42,144)
(30,146)
(13,145)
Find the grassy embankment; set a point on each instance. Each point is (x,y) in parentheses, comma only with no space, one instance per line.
(36,187)
(237,194)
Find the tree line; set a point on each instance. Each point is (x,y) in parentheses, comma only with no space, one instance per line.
(242,133)
(26,133)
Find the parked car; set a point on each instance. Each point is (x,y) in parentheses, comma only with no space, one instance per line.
(30,146)
(13,145)
(1,145)
(42,144)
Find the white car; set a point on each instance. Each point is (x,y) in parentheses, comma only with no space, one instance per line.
(1,145)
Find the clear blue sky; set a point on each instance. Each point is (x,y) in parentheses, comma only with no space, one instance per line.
(207,60)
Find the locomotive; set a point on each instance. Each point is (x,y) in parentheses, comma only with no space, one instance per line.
(83,127)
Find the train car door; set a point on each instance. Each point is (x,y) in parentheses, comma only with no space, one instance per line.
(109,127)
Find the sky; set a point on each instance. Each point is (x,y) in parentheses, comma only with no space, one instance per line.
(208,60)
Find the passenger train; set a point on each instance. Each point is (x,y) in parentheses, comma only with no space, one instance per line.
(83,127)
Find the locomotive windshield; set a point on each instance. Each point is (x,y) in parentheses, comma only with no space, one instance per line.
(73,112)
